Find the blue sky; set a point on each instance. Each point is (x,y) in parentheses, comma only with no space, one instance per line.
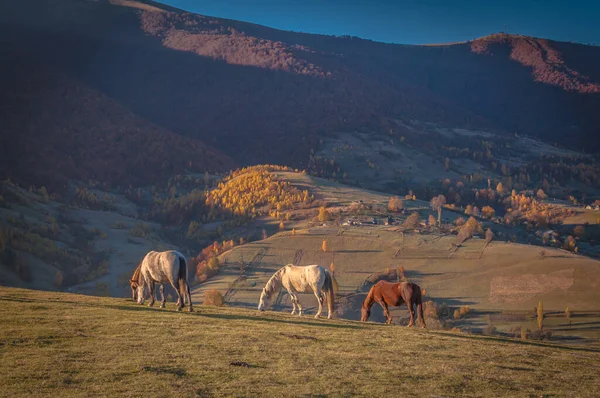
(414,21)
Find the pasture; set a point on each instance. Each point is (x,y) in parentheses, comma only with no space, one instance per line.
(57,344)
(501,282)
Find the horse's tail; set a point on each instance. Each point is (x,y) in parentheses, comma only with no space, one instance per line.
(182,275)
(419,302)
(330,293)
(184,289)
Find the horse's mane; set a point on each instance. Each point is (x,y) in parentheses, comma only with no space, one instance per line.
(273,281)
(136,273)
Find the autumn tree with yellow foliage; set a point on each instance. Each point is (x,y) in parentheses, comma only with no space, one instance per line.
(324,215)
(255,191)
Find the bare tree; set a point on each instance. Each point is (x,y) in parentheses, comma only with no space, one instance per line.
(437,203)
(489,235)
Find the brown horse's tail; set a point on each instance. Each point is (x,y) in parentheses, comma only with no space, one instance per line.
(330,293)
(419,302)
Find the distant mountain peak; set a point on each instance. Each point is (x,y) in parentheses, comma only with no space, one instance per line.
(543,57)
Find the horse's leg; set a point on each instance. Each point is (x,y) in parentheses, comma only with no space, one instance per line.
(366,308)
(293,305)
(189,296)
(412,313)
(297,303)
(179,296)
(320,301)
(152,293)
(329,305)
(386,312)
(420,316)
(161,289)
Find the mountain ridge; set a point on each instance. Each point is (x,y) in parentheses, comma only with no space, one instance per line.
(262,95)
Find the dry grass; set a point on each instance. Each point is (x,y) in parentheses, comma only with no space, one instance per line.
(213,297)
(57,344)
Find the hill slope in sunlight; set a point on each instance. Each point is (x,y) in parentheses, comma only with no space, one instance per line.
(68,345)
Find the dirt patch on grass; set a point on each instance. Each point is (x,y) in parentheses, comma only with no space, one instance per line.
(517,289)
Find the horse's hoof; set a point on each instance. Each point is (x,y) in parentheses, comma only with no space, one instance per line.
(191,309)
(178,309)
(293,313)
(162,306)
(317,316)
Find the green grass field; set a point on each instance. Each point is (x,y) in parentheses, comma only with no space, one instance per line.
(56,344)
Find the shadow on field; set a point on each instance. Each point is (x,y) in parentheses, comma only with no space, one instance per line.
(275,320)
(179,372)
(516,368)
(412,274)
(578,324)
(124,307)
(458,302)
(358,251)
(576,327)
(171,312)
(515,341)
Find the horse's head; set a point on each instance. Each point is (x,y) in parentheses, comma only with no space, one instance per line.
(140,292)
(365,313)
(264,297)
(134,287)
(134,282)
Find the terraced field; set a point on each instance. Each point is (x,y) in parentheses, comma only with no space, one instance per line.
(500,280)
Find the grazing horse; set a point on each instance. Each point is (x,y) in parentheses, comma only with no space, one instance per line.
(164,267)
(134,283)
(394,294)
(301,279)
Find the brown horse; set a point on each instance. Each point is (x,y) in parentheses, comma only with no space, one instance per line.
(394,294)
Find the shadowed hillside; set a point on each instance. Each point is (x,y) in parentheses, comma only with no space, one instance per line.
(55,129)
(264,95)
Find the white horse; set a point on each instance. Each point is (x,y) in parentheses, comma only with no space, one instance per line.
(164,267)
(301,279)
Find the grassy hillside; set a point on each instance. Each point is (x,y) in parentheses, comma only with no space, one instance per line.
(95,249)
(501,283)
(56,344)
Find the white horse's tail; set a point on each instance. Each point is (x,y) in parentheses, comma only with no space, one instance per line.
(182,275)
(184,288)
(328,288)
